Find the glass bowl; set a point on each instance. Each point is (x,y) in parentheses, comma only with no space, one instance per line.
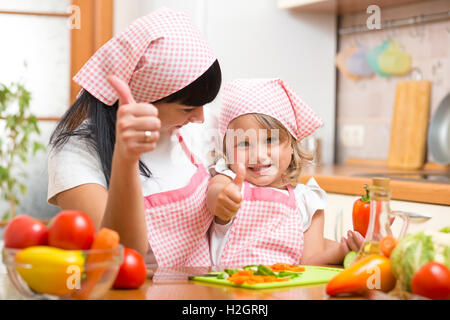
(60,274)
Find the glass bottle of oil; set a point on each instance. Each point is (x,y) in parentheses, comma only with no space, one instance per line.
(381,217)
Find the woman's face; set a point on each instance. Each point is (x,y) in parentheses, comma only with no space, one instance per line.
(175,115)
(264,156)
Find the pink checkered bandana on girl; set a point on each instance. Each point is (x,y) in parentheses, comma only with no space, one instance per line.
(157,55)
(271,97)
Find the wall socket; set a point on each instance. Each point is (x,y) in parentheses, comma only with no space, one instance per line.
(352,135)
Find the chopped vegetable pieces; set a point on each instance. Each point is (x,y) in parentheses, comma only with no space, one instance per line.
(247,276)
(253,274)
(286,267)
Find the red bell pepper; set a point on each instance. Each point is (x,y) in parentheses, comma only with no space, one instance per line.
(361,213)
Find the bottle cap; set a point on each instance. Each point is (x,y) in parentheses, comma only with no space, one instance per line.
(381,182)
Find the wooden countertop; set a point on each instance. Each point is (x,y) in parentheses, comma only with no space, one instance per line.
(176,286)
(348,179)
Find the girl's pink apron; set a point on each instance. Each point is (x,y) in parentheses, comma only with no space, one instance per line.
(266,230)
(178,221)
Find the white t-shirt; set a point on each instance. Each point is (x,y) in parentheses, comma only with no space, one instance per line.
(309,198)
(76,164)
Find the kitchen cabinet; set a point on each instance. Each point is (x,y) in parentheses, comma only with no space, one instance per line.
(430,184)
(337,223)
(338,6)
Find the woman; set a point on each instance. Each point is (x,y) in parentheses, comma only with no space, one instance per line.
(124,162)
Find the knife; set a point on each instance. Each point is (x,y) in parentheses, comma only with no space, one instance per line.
(417,215)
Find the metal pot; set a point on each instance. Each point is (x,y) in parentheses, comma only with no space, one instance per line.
(439,133)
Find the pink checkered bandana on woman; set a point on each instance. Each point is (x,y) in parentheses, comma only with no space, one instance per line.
(272,97)
(157,55)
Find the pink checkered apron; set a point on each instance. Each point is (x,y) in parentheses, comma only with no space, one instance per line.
(178,221)
(266,230)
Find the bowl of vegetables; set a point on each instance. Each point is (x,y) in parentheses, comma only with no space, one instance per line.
(45,272)
(66,259)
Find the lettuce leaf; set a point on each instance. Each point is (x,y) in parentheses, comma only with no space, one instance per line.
(409,255)
(447,256)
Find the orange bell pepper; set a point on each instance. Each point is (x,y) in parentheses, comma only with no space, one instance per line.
(372,272)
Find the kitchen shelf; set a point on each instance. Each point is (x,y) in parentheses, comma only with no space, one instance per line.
(407,185)
(338,6)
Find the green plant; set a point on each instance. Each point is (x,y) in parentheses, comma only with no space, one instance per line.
(17,126)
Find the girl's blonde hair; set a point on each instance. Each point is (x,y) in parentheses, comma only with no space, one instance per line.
(300,157)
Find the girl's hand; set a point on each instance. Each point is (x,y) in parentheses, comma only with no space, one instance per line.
(353,242)
(229,199)
(134,122)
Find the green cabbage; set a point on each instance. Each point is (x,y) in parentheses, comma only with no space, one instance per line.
(416,249)
(445,230)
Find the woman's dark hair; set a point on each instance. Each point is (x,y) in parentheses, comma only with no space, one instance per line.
(100,130)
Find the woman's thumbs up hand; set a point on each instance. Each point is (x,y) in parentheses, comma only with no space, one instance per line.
(229,199)
(137,124)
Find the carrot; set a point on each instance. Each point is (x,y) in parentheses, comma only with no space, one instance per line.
(244,273)
(387,244)
(105,239)
(278,266)
(238,279)
(286,267)
(249,278)
(297,269)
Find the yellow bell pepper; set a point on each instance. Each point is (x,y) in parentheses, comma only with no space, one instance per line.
(50,270)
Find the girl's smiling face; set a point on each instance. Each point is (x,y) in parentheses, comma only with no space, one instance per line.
(265,153)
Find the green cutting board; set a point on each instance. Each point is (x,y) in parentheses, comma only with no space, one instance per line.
(311,275)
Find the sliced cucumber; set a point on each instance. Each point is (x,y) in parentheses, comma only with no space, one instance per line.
(230,272)
(284,274)
(253,267)
(350,258)
(265,271)
(222,275)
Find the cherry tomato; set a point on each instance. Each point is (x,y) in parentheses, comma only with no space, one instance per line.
(432,281)
(25,231)
(71,230)
(132,272)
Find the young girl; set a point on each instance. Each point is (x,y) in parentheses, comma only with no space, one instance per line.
(262,214)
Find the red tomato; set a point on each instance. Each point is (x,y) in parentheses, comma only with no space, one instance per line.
(132,272)
(432,280)
(71,230)
(25,231)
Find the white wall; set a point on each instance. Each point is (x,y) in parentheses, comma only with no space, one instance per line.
(253,38)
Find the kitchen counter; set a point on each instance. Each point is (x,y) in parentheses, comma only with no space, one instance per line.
(428,185)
